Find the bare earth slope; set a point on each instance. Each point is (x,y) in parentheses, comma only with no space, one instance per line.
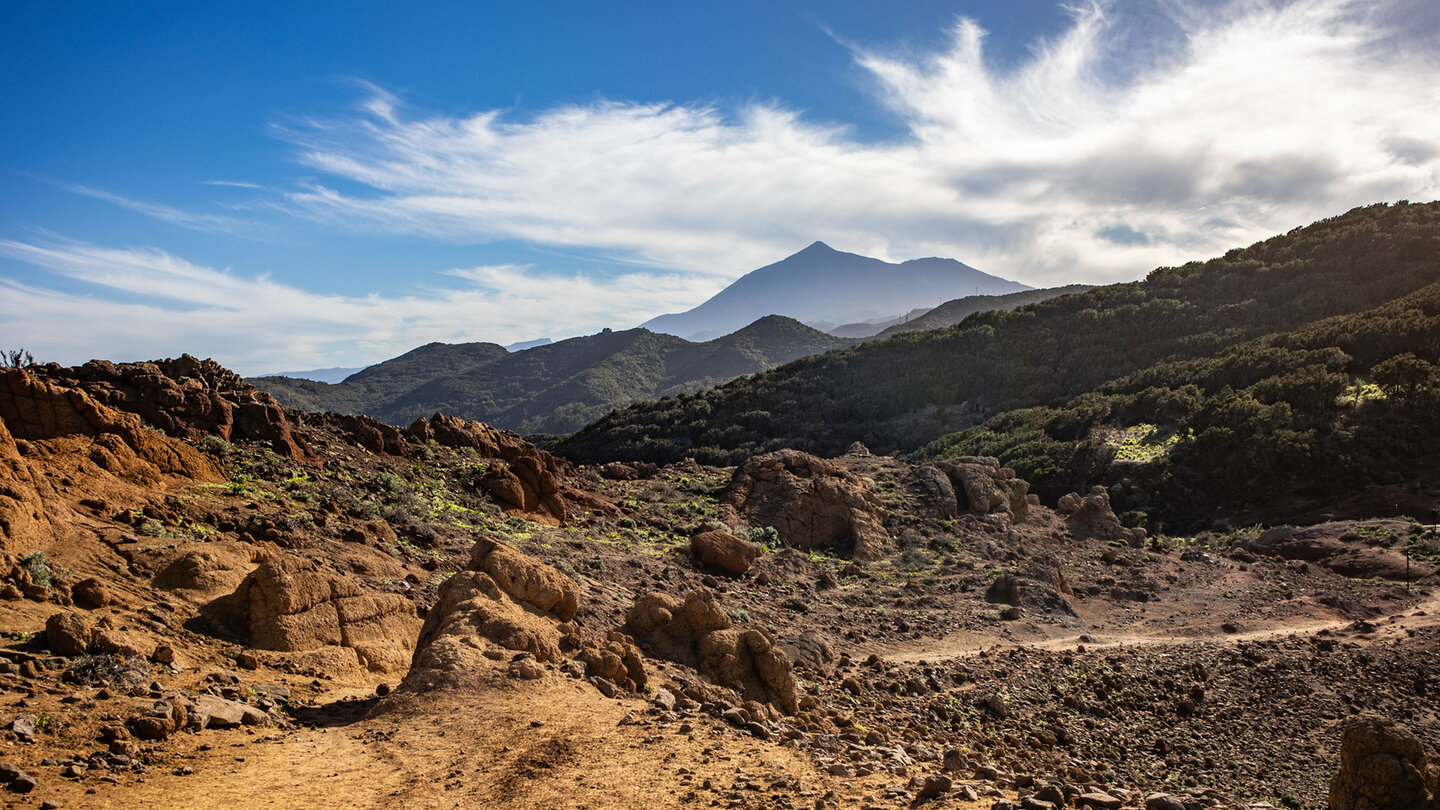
(322,610)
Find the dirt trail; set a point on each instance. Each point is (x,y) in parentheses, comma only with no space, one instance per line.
(1422,614)
(553,743)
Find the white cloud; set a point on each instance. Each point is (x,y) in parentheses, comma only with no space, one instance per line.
(209,223)
(149,304)
(1263,114)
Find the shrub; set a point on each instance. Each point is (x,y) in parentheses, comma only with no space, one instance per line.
(39,567)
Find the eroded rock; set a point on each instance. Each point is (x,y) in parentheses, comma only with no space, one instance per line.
(724,552)
(696,632)
(291,605)
(811,503)
(1383,766)
(1091,517)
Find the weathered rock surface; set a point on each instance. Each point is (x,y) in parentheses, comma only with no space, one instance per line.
(1091,517)
(1333,546)
(36,409)
(291,605)
(24,522)
(529,480)
(988,488)
(1383,766)
(724,551)
(696,632)
(811,503)
(510,601)
(190,398)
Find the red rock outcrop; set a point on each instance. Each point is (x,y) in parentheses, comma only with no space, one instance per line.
(529,480)
(290,605)
(1383,767)
(811,503)
(45,424)
(696,632)
(724,552)
(191,399)
(25,523)
(1090,517)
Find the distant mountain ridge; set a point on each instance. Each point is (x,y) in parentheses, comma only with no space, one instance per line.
(822,286)
(334,374)
(951,313)
(557,387)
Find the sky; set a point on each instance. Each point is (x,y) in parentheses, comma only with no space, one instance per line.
(286,186)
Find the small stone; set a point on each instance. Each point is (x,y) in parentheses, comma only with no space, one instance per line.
(24,727)
(1052,794)
(605,686)
(933,787)
(247,660)
(382,689)
(1163,801)
(664,700)
(1098,800)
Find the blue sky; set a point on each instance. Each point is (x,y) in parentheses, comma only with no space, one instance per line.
(312,184)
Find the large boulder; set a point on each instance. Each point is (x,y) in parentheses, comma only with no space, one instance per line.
(724,552)
(697,633)
(811,503)
(507,602)
(987,487)
(292,605)
(526,578)
(1091,517)
(69,633)
(472,614)
(1383,767)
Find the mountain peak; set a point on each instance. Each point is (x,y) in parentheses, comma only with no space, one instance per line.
(818,247)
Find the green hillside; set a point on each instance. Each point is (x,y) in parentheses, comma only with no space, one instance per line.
(1049,386)
(953,312)
(554,388)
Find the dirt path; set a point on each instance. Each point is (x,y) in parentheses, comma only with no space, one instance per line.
(552,743)
(1423,614)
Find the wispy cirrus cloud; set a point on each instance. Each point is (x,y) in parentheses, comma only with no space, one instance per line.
(145,303)
(1145,134)
(209,223)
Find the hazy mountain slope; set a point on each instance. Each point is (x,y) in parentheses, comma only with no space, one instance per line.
(821,284)
(557,387)
(334,374)
(951,313)
(905,391)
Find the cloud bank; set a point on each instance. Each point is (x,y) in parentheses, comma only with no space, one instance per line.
(1149,133)
(150,304)
(1133,140)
